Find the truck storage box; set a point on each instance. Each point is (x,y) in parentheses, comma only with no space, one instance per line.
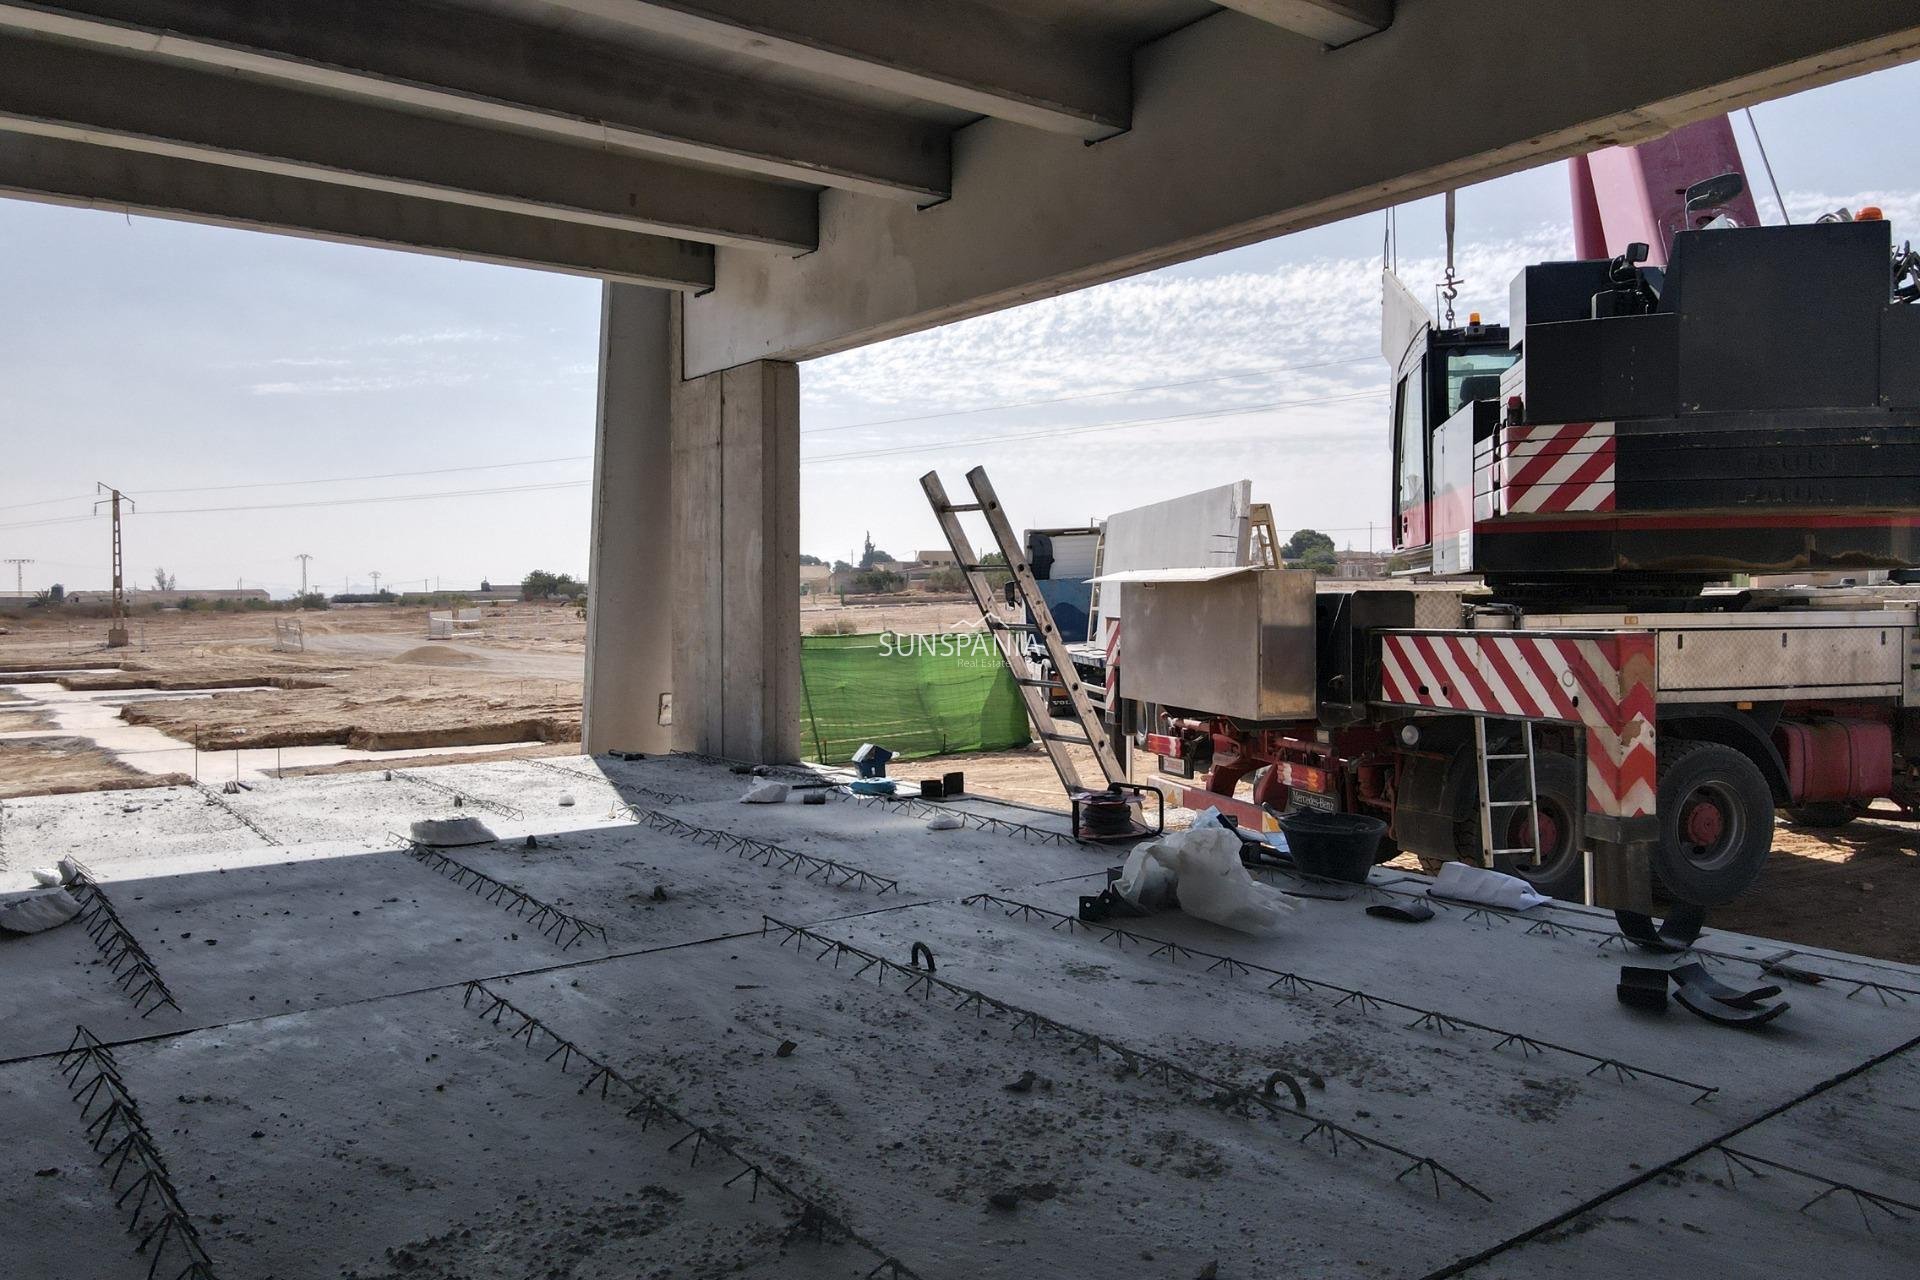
(1236,642)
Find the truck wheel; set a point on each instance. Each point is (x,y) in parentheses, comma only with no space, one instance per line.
(1561,871)
(1716,823)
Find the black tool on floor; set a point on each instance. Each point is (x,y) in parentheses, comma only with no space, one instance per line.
(1727,1015)
(1412,911)
(1676,933)
(1695,975)
(1641,987)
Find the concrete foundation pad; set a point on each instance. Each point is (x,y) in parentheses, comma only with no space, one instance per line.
(334,1094)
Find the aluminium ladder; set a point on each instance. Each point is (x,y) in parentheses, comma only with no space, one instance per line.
(1007,635)
(1497,858)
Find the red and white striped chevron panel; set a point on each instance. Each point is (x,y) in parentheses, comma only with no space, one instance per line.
(1602,681)
(1559,467)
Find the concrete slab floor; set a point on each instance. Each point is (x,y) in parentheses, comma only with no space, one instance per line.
(332,1093)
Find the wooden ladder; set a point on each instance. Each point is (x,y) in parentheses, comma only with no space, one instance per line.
(1008,635)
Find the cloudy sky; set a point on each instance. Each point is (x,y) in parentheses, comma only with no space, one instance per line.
(264,396)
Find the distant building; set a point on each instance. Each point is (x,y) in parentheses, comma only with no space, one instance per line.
(937,559)
(815,577)
(1360,564)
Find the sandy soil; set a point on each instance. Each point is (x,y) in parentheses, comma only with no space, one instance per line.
(371,715)
(365,677)
(57,766)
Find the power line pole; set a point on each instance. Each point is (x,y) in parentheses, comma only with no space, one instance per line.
(375,575)
(19,574)
(303,557)
(117,625)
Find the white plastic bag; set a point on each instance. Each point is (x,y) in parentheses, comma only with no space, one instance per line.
(1145,881)
(1213,884)
(1206,872)
(1465,883)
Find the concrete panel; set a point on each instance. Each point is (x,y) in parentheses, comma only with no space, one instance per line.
(86,95)
(60,172)
(1328,21)
(629,627)
(328,1102)
(1242,131)
(1203,530)
(953,52)
(477,67)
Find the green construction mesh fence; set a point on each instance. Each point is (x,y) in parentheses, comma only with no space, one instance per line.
(915,695)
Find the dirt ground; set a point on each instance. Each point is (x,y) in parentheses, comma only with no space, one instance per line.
(59,766)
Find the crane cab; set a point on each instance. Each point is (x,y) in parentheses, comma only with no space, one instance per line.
(1755,408)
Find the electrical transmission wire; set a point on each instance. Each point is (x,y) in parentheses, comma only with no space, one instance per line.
(46,502)
(999,438)
(1051,432)
(1094,395)
(384,475)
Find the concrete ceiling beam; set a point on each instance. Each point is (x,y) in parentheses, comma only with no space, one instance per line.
(1242,133)
(90,95)
(952,52)
(473,66)
(1328,21)
(58,171)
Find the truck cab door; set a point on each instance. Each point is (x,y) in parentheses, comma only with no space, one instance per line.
(1411,466)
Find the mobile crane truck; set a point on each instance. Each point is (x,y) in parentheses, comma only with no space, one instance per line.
(1568,681)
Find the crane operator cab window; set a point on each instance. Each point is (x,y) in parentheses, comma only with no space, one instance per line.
(1474,375)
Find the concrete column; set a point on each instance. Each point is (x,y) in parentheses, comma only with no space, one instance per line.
(630,629)
(736,531)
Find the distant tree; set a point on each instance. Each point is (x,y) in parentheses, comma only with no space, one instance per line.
(997,577)
(807,559)
(1320,560)
(1303,541)
(947,579)
(871,555)
(873,582)
(162,580)
(312,600)
(841,566)
(53,597)
(537,585)
(565,586)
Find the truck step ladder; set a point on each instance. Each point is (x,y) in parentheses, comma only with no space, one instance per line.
(1493,855)
(1009,635)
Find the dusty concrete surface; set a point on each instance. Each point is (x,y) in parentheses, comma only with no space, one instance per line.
(332,1097)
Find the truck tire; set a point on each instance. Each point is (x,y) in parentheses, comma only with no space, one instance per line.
(1561,872)
(1716,823)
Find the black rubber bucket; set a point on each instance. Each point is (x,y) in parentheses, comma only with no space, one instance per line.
(1338,846)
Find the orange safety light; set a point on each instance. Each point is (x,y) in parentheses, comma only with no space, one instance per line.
(1871,213)
(1473,317)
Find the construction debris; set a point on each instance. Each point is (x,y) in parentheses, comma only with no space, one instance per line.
(450,833)
(39,912)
